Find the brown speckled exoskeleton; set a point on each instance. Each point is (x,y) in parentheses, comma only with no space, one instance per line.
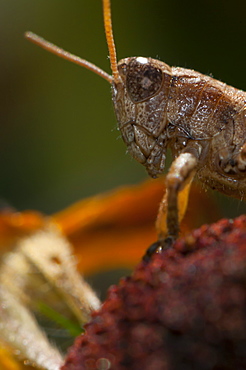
(201,119)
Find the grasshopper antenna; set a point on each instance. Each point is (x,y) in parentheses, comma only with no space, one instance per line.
(110,40)
(66,55)
(82,62)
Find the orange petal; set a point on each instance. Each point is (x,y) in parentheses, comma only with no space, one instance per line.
(113,230)
(7,362)
(110,230)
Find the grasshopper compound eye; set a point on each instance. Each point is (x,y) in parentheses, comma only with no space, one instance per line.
(143,79)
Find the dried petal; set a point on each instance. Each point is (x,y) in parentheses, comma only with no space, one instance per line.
(19,329)
(44,269)
(40,272)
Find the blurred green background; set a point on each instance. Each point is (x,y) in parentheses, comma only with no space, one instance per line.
(58,136)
